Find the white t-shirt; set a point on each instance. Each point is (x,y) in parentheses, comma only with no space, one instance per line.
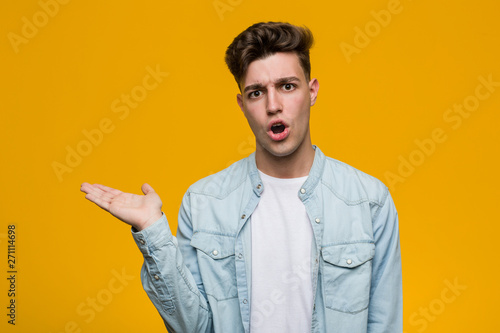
(282,298)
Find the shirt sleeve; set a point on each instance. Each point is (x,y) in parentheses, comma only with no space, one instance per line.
(168,282)
(385,312)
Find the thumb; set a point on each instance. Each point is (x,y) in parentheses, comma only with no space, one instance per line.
(146,188)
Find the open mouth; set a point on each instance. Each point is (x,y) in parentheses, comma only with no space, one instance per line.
(278,128)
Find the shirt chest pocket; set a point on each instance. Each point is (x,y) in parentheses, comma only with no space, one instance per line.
(346,274)
(217,264)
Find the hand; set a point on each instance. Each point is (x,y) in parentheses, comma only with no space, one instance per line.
(140,211)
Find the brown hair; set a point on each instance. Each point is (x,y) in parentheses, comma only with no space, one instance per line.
(265,39)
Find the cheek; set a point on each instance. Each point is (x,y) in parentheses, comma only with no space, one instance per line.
(252,118)
(300,106)
(300,99)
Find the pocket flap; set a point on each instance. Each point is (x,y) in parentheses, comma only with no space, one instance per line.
(213,245)
(348,255)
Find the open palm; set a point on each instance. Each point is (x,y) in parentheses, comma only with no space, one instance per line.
(140,211)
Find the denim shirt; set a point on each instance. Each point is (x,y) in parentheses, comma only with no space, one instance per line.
(199,281)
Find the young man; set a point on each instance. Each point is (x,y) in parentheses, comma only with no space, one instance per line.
(285,240)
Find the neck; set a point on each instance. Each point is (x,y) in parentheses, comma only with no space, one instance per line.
(294,165)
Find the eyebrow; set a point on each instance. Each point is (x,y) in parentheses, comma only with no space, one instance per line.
(278,81)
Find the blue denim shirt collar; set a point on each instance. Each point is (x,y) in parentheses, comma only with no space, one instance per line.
(309,185)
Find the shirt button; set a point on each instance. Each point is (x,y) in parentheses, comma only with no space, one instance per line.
(349,261)
(240,256)
(317,220)
(259,186)
(302,190)
(243,216)
(245,301)
(142,241)
(215,252)
(316,260)
(157,277)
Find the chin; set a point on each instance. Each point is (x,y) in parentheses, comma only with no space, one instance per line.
(281,151)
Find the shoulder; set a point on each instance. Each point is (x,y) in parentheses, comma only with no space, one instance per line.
(352,185)
(222,183)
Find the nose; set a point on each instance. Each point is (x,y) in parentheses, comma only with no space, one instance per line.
(274,103)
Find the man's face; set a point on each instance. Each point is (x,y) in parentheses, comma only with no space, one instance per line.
(276,100)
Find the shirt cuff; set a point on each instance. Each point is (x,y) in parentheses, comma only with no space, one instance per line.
(154,236)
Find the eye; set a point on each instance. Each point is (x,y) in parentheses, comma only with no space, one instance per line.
(288,86)
(254,94)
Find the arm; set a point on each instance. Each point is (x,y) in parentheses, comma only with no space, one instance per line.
(385,312)
(170,285)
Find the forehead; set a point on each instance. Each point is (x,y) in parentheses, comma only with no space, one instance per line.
(272,68)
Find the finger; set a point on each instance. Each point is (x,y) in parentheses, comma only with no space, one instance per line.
(102,194)
(85,187)
(89,188)
(104,204)
(108,189)
(146,188)
(97,192)
(94,189)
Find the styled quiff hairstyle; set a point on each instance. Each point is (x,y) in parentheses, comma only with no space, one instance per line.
(262,40)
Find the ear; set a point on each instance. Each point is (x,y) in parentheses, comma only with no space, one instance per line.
(239,99)
(313,90)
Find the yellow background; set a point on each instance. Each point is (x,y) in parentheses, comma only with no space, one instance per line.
(371,108)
